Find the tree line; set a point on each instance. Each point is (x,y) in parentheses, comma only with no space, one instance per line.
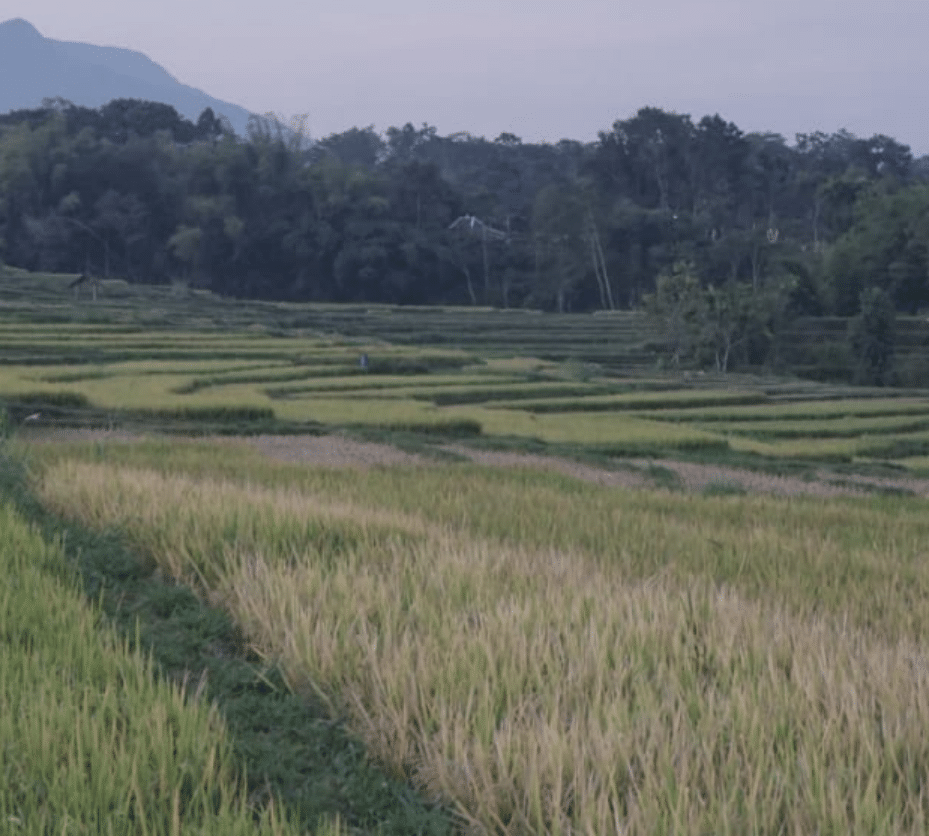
(694,219)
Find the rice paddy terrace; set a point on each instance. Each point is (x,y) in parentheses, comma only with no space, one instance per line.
(157,358)
(647,640)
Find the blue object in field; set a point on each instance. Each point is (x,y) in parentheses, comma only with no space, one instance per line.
(363,362)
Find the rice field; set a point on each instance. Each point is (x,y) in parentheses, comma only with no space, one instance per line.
(557,658)
(276,372)
(539,653)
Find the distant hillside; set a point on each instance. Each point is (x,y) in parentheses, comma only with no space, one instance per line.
(34,67)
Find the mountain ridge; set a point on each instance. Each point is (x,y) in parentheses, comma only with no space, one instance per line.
(35,67)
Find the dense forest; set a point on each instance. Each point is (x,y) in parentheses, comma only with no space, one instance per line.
(696,219)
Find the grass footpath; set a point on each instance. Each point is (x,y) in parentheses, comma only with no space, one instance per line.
(111,732)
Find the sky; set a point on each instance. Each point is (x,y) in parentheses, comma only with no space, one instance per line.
(544,71)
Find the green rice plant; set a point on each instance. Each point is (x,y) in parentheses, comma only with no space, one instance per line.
(246,519)
(837,427)
(518,365)
(811,409)
(514,393)
(50,399)
(190,455)
(817,449)
(91,740)
(361,383)
(361,412)
(895,446)
(885,447)
(213,414)
(63,374)
(50,405)
(419,364)
(713,664)
(916,463)
(640,400)
(262,375)
(440,390)
(614,434)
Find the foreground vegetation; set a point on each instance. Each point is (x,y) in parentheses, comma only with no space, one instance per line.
(142,710)
(92,739)
(557,659)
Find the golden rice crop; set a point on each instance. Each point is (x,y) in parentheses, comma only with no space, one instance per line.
(562,689)
(618,433)
(159,392)
(816,449)
(796,544)
(349,411)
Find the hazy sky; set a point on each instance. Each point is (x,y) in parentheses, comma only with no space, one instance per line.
(544,71)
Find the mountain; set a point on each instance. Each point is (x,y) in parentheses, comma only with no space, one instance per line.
(34,67)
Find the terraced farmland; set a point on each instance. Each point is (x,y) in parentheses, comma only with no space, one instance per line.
(151,359)
(502,576)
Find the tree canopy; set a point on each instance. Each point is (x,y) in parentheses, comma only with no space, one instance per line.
(131,189)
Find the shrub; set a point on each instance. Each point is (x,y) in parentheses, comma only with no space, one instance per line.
(872,338)
(913,371)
